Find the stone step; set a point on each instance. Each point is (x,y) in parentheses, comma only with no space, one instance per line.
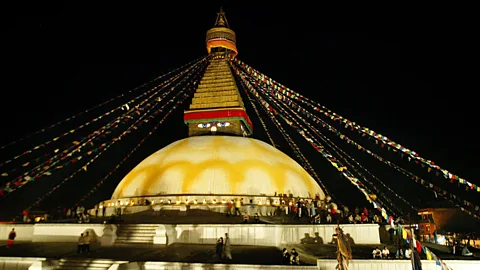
(207,84)
(88,264)
(134,242)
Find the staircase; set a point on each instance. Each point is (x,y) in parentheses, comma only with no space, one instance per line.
(86,264)
(136,233)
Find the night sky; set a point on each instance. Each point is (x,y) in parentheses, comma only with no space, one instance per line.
(401,71)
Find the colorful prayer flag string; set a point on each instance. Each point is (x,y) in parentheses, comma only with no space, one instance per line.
(107,146)
(44,144)
(417,179)
(304,133)
(40,171)
(285,91)
(97,106)
(180,101)
(269,111)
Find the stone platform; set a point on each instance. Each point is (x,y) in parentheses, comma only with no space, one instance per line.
(242,234)
(35,255)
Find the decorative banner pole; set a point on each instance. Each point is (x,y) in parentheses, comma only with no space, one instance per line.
(344,250)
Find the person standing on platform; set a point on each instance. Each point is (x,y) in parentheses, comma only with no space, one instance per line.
(86,242)
(81,243)
(11,238)
(227,248)
(219,248)
(25,215)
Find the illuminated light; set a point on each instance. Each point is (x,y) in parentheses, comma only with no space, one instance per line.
(268,202)
(224,202)
(186,201)
(121,203)
(153,202)
(231,201)
(227,124)
(101,206)
(290,203)
(169,201)
(214,201)
(260,202)
(204,201)
(195,202)
(132,203)
(213,129)
(275,202)
(178,202)
(161,201)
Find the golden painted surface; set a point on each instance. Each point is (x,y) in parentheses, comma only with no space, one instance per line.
(218,165)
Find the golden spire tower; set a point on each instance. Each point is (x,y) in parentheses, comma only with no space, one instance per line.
(221,38)
(217,107)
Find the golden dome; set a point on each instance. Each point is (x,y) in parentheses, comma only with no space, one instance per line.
(221,165)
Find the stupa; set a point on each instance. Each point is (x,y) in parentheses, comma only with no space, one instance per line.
(218,162)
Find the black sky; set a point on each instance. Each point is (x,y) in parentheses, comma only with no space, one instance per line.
(404,71)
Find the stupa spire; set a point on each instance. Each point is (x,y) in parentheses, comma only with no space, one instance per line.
(221,19)
(217,106)
(220,38)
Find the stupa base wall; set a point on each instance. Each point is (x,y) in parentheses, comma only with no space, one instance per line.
(20,263)
(269,234)
(397,264)
(240,234)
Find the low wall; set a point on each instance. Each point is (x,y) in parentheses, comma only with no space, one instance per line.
(51,232)
(59,232)
(24,231)
(16,263)
(397,265)
(268,235)
(240,234)
(201,266)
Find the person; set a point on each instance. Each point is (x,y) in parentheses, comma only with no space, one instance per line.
(86,242)
(466,252)
(385,252)
(408,253)
(256,218)
(11,237)
(399,254)
(245,217)
(238,205)
(294,257)
(219,248)
(81,243)
(285,256)
(227,249)
(377,253)
(25,215)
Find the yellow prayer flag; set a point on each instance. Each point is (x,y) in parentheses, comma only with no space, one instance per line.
(404,234)
(428,254)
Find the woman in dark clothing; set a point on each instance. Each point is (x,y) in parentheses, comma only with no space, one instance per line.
(219,248)
(285,256)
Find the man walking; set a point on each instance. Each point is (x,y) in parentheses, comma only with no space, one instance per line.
(227,252)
